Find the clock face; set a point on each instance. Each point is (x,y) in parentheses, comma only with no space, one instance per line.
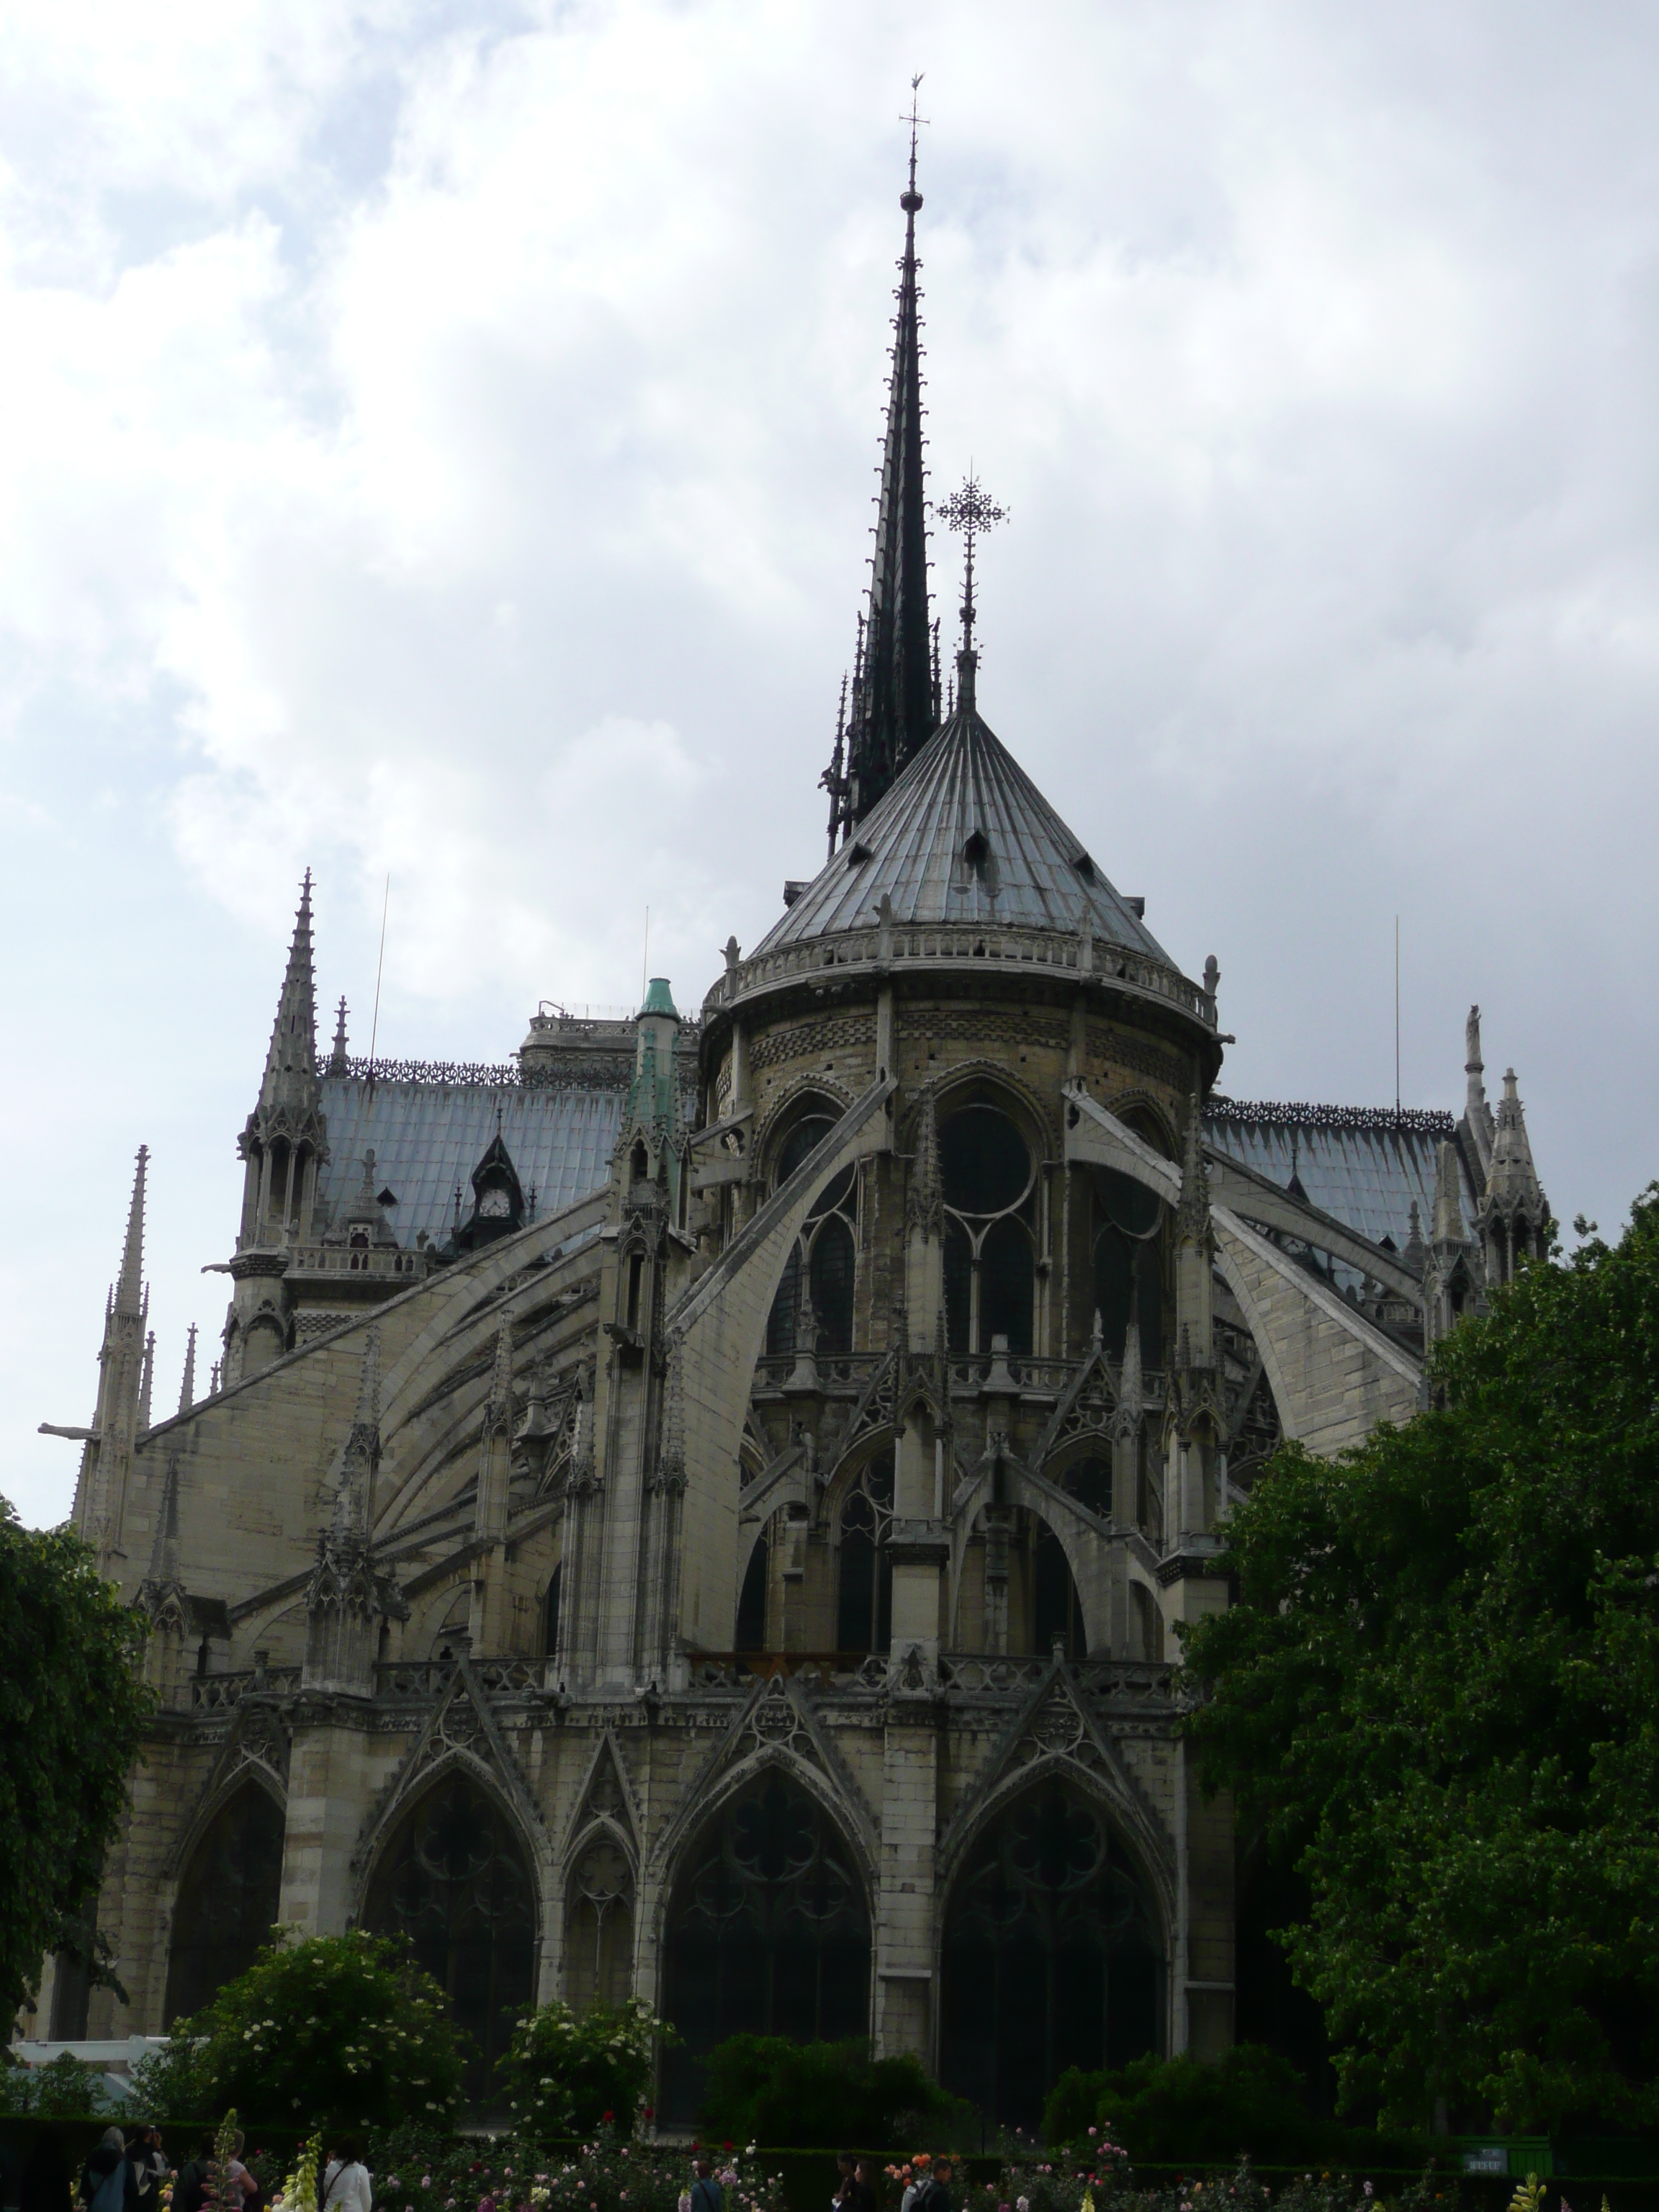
(494,1205)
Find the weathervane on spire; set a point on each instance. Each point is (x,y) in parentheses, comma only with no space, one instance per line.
(910,200)
(971,511)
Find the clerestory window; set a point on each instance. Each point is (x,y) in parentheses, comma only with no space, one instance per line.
(1128,1263)
(989,1182)
(818,1274)
(864,1601)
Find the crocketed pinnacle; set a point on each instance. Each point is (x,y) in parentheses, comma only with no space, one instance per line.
(291,1062)
(893,710)
(130,1289)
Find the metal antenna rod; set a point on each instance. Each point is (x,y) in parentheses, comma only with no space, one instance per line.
(1396,1018)
(379,969)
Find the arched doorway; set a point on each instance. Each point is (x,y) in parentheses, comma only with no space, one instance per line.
(1052,1957)
(227,1900)
(455,1881)
(768,1932)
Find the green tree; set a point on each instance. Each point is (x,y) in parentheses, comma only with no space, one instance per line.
(765,2089)
(565,2072)
(72,1705)
(1438,1690)
(330,2031)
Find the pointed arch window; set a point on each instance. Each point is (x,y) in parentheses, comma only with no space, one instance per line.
(767,1932)
(227,1900)
(455,1881)
(599,1941)
(864,1589)
(988,1178)
(751,1601)
(1127,1245)
(822,1263)
(1052,1957)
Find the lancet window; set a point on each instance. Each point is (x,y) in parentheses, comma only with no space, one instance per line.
(864,1599)
(1053,1956)
(821,1266)
(751,1600)
(598,1943)
(227,1900)
(768,1934)
(989,1183)
(1128,1262)
(455,1881)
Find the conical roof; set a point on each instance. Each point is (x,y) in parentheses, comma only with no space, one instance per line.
(964,836)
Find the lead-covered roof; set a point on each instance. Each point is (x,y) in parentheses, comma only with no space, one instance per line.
(964,836)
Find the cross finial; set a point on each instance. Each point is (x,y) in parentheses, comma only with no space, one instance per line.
(911,199)
(971,510)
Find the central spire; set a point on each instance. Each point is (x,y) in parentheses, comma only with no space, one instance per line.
(893,709)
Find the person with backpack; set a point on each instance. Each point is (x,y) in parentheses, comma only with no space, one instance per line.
(108,2182)
(189,2189)
(706,2195)
(149,2163)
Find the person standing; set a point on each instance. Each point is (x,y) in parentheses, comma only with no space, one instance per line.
(706,2195)
(108,2183)
(935,2195)
(348,2184)
(149,2163)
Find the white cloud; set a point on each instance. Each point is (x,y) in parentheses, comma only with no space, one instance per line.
(438,443)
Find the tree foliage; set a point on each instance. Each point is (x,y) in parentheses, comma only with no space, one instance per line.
(565,2072)
(766,2089)
(1439,1690)
(1250,2103)
(71,1708)
(330,2031)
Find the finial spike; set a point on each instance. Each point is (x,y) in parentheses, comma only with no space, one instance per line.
(971,510)
(188,1388)
(129,1290)
(893,703)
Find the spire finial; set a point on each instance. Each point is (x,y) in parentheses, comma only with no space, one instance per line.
(891,716)
(294,1039)
(129,1291)
(910,199)
(188,1388)
(971,510)
(149,1377)
(336,1059)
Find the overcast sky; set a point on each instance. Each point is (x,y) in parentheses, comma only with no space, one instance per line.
(439,441)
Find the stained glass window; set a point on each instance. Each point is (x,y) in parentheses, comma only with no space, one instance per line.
(455,1881)
(864,1601)
(1128,1263)
(227,1900)
(822,1261)
(768,1934)
(1052,1956)
(989,1182)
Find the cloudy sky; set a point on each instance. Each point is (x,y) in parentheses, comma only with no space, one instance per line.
(438,441)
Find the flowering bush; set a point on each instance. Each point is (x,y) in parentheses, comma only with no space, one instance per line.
(336,2031)
(569,2073)
(513,2174)
(1080,2184)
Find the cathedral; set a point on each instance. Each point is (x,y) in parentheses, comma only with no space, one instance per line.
(704,1510)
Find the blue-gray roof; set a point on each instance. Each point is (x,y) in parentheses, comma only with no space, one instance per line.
(1035,874)
(427,1138)
(1363,1166)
